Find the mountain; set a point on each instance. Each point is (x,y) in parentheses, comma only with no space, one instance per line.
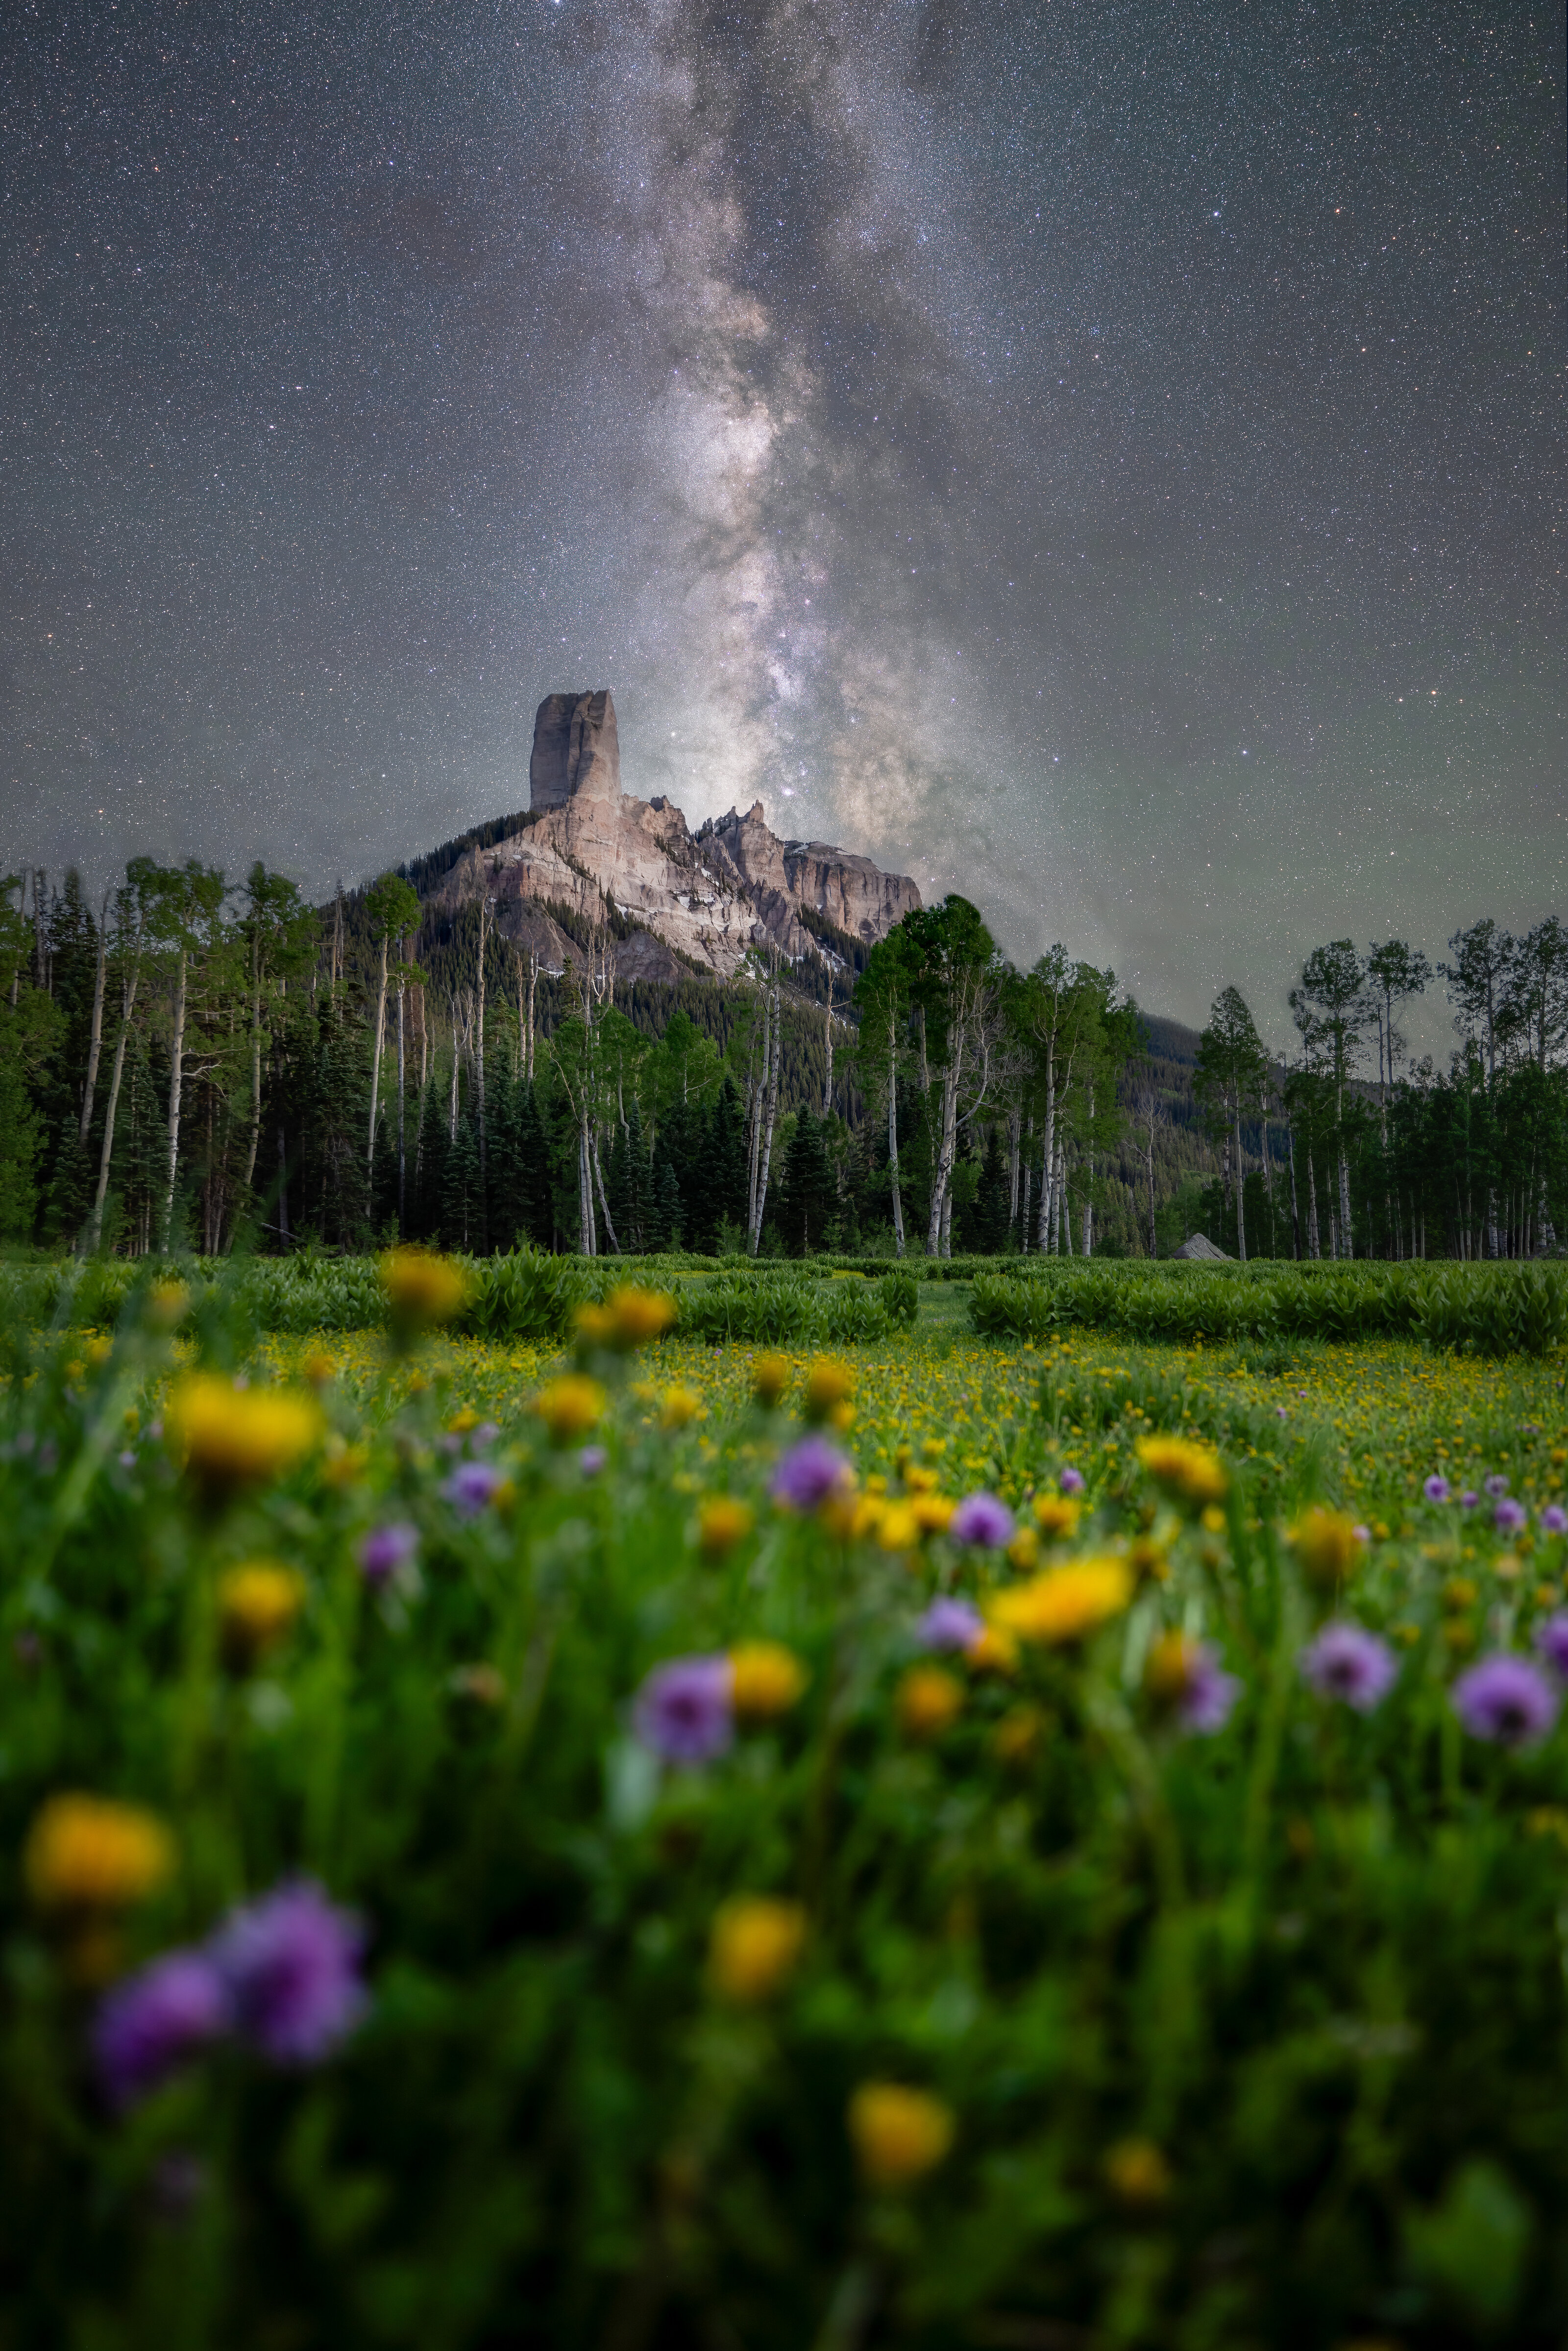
(686,901)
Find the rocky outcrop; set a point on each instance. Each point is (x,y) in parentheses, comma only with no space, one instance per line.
(711,896)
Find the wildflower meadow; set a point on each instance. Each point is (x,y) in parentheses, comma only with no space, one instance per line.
(637,1832)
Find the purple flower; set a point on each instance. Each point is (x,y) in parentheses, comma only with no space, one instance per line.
(291,1962)
(1554,1519)
(591,1460)
(1205,1704)
(470,1486)
(1469,1499)
(485,1433)
(981,1518)
(1279,1413)
(809,1473)
(949,1624)
(683,1710)
(1070,1481)
(128,1459)
(1506,1698)
(1552,1640)
(152,2021)
(386,1548)
(1347,1662)
(1437,1490)
(1361,1534)
(1509,1517)
(1496,1484)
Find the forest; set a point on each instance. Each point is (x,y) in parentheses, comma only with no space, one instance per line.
(190,1064)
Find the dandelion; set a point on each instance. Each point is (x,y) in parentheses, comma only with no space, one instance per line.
(1057,1516)
(87,1852)
(150,2025)
(290,1962)
(256,1604)
(638,1316)
(1137,2174)
(949,1624)
(723,1521)
(233,1437)
(1194,1473)
(1437,1490)
(473,1485)
(829,1385)
(680,1407)
(929,1701)
(982,1521)
(1554,1519)
(899,1527)
(1509,1517)
(1325,1543)
(386,1550)
(932,1513)
(1349,1663)
(755,1947)
(809,1473)
(1065,1603)
(1186,1675)
(683,1711)
(764,1680)
(569,1406)
(423,1289)
(1505,1698)
(1018,1734)
(898,2133)
(769,1378)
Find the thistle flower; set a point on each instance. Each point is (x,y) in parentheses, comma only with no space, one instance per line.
(1436,1488)
(809,1473)
(1506,1698)
(1554,1519)
(982,1521)
(1070,1481)
(1186,1675)
(148,2025)
(87,1852)
(764,1680)
(1469,1499)
(290,1963)
(471,1486)
(949,1624)
(1509,1517)
(898,2133)
(755,1944)
(385,1550)
(1552,1640)
(591,1459)
(1351,1664)
(1496,1485)
(683,1711)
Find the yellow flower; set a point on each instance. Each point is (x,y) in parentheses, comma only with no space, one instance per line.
(929,1701)
(1458,1593)
(1137,2173)
(422,1290)
(764,1680)
(932,1512)
(1193,1472)
(898,2133)
(1458,1635)
(569,1406)
(1023,1551)
(462,1421)
(829,1385)
(319,1370)
(595,1325)
(256,1604)
(681,1406)
(992,1651)
(167,1303)
(769,1378)
(344,1465)
(234,1437)
(1508,1567)
(1057,1516)
(755,1947)
(639,1315)
(1065,1604)
(919,1481)
(1212,1520)
(87,1852)
(1326,1545)
(1169,1670)
(1145,1558)
(723,1521)
(900,1528)
(1018,1734)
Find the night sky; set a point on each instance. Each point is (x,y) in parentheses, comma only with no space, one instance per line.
(1108,459)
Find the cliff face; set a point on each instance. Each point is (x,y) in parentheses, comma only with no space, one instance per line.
(714,894)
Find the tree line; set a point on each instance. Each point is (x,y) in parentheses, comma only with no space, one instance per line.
(188,1063)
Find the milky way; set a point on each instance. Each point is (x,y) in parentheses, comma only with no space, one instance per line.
(1105,459)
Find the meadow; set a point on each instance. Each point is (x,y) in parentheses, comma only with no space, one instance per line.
(633,1835)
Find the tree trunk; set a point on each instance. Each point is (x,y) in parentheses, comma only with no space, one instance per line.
(1240,1193)
(757,1092)
(772,1076)
(1154,1243)
(255,1057)
(1023,1221)
(1295,1205)
(283,1231)
(533,981)
(95,1041)
(1014,1124)
(176,1075)
(479,1084)
(376,1065)
(1064,1207)
(452,1112)
(401,1157)
(1089,1189)
(893,1128)
(95,1231)
(949,1141)
(590,1238)
(1313,1245)
(598,1175)
(828,1083)
(1047,1157)
(1346,1241)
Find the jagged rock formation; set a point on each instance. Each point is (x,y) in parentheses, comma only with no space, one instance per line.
(709,896)
(1198,1250)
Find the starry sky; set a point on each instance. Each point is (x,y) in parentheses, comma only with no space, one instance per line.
(1108,459)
